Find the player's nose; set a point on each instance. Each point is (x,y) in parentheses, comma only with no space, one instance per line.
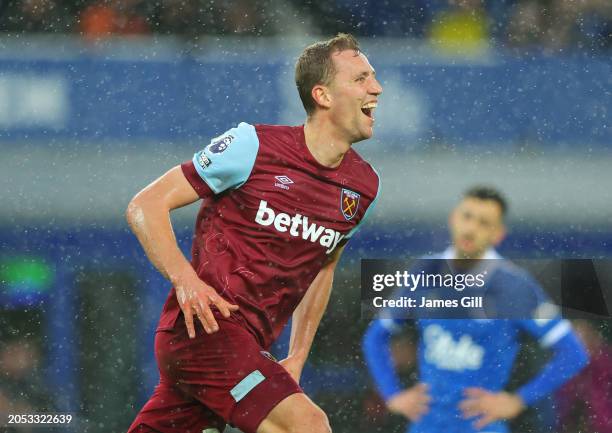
(376,88)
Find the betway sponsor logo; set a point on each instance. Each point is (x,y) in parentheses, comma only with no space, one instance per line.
(298,226)
(442,350)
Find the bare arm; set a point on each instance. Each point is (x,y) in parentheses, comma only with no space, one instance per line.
(148,215)
(307,316)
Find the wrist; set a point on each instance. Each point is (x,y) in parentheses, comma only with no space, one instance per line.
(298,356)
(522,396)
(516,406)
(177,275)
(519,400)
(388,396)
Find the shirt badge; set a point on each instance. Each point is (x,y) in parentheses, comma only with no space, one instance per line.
(203,160)
(220,144)
(349,203)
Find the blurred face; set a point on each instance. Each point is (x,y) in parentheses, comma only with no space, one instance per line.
(476,225)
(18,359)
(353,95)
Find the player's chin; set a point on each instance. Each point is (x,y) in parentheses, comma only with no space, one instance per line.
(366,132)
(361,136)
(469,253)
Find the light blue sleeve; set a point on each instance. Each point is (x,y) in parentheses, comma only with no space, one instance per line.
(227,162)
(368,210)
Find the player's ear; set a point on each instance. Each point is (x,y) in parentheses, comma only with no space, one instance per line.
(500,234)
(452,216)
(321,95)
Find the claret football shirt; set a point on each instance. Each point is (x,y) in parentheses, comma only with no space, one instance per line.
(271,216)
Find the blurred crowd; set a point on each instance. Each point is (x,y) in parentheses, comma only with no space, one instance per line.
(472,24)
(23,385)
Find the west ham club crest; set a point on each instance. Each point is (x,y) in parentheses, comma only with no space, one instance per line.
(349,203)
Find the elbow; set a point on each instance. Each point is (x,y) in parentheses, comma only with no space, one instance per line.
(575,354)
(368,346)
(580,361)
(583,355)
(134,214)
(375,336)
(368,337)
(365,342)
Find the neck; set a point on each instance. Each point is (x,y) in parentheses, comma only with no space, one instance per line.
(460,256)
(324,143)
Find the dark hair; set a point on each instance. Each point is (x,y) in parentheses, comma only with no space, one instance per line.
(315,66)
(483,192)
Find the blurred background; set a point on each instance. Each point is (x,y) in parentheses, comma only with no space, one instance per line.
(98,98)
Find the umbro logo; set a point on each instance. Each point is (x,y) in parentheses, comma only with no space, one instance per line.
(283,182)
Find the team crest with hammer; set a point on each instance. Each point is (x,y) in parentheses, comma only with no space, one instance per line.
(349,203)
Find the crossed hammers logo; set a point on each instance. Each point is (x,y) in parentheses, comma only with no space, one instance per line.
(349,205)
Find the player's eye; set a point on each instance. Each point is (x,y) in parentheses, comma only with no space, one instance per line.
(485,223)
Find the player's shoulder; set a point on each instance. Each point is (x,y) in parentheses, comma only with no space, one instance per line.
(242,129)
(511,279)
(266,128)
(275,135)
(240,138)
(508,270)
(516,289)
(363,173)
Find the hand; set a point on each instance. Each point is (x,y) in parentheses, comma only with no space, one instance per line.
(195,297)
(411,403)
(490,406)
(293,366)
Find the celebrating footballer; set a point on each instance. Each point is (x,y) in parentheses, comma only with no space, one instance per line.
(278,204)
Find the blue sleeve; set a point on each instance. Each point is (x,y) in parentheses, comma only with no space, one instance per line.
(368,210)
(377,339)
(227,162)
(569,357)
(377,352)
(555,333)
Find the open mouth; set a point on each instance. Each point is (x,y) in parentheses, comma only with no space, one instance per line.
(368,109)
(467,242)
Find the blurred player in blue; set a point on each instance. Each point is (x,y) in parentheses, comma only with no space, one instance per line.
(464,364)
